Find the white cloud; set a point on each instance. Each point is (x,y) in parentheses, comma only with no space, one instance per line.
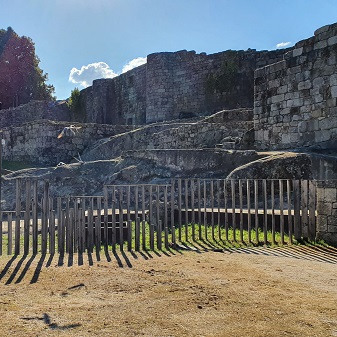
(134,63)
(283,44)
(90,72)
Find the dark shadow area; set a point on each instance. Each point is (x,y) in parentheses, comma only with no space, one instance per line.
(107,255)
(16,269)
(7,266)
(50,260)
(25,269)
(38,269)
(128,263)
(53,326)
(145,257)
(134,255)
(120,264)
(60,260)
(70,259)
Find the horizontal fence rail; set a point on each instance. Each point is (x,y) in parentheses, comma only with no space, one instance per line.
(151,216)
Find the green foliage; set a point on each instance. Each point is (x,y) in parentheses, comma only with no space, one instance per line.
(225,79)
(74,102)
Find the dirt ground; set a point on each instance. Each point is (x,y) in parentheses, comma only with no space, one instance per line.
(245,292)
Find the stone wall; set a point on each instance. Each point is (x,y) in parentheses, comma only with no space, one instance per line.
(34,110)
(36,142)
(295,99)
(177,85)
(327,211)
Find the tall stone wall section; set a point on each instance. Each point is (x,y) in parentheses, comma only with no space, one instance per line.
(34,110)
(327,211)
(295,99)
(177,85)
(37,142)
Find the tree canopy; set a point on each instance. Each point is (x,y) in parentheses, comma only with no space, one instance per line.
(21,78)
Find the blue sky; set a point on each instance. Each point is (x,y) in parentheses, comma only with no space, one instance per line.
(107,34)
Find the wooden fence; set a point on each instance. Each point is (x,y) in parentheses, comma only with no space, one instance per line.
(151,217)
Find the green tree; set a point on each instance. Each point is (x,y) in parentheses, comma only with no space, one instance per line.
(74,102)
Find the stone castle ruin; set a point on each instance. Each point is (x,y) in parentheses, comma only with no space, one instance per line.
(234,114)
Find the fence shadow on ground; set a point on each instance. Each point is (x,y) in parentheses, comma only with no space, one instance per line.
(17,267)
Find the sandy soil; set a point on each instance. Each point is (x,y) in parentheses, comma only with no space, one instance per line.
(246,292)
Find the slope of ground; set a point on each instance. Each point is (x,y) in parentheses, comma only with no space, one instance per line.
(247,292)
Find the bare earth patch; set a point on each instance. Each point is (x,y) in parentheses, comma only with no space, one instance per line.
(245,292)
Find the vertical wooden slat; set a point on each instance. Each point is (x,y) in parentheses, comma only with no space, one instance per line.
(304,208)
(249,215)
(61,227)
(90,225)
(143,219)
(173,230)
(272,196)
(136,201)
(69,219)
(17,216)
(256,204)
(281,211)
(97,234)
(199,208)
(179,209)
(105,217)
(159,236)
(99,222)
(121,239)
(158,212)
(289,217)
(225,191)
(212,207)
(65,230)
(186,210)
(35,218)
(297,205)
(165,207)
(241,209)
(218,202)
(76,223)
(45,217)
(27,217)
(312,211)
(52,233)
(151,225)
(10,234)
(166,238)
(192,209)
(79,231)
(128,194)
(205,210)
(129,222)
(265,211)
(137,234)
(113,218)
(233,209)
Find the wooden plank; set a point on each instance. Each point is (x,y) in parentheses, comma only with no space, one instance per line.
(65,230)
(233,209)
(272,197)
(52,233)
(76,224)
(158,213)
(192,208)
(151,219)
(281,211)
(179,209)
(79,231)
(97,236)
(199,208)
(304,208)
(143,219)
(136,201)
(297,205)
(312,211)
(61,230)
(105,218)
(241,209)
(186,210)
(173,229)
(165,207)
(35,218)
(265,214)
(128,194)
(17,216)
(256,204)
(99,223)
(159,237)
(90,225)
(129,223)
(10,234)
(212,210)
(166,237)
(249,214)
(121,239)
(205,210)
(218,202)
(225,191)
(289,217)
(45,217)
(27,217)
(137,234)
(113,218)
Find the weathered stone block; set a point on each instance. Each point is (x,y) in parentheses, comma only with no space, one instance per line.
(330,194)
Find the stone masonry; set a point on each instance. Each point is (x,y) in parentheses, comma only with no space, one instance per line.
(295,99)
(177,85)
